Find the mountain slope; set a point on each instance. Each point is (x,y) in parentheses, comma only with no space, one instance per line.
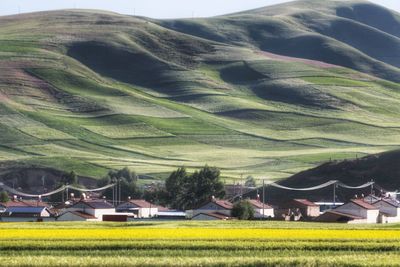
(93,90)
(382,168)
(344,33)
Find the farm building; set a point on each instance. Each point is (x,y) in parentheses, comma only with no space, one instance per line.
(76,216)
(212,216)
(213,206)
(355,211)
(389,210)
(297,209)
(88,208)
(261,209)
(140,208)
(27,214)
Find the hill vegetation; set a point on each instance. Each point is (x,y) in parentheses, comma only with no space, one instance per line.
(267,92)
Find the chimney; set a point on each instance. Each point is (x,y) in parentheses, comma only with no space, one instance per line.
(213,198)
(15,198)
(258,197)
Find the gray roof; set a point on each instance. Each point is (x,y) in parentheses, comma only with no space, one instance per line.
(96,204)
(25,210)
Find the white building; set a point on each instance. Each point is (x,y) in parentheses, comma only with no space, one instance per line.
(140,208)
(355,211)
(93,210)
(26,214)
(262,210)
(389,210)
(215,206)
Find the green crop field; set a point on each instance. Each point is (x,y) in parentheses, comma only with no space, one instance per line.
(268,92)
(198,244)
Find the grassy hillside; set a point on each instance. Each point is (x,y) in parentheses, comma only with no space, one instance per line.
(92,90)
(383,168)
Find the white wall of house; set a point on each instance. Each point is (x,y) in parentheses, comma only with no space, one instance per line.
(267,213)
(147,212)
(142,212)
(98,213)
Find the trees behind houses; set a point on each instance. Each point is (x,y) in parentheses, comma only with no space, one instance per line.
(4,197)
(243,210)
(127,180)
(187,191)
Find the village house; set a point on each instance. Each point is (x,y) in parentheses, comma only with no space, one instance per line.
(140,208)
(297,209)
(389,210)
(261,209)
(355,211)
(88,210)
(26,214)
(214,206)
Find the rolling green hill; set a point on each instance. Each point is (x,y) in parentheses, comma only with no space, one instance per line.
(267,92)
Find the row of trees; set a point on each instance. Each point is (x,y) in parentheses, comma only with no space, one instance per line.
(183,190)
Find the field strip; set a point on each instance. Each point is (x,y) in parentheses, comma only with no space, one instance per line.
(196,234)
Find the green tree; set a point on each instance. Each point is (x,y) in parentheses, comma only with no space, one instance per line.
(127,180)
(186,191)
(250,182)
(243,210)
(70,178)
(4,196)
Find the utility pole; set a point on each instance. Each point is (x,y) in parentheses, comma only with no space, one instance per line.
(263,199)
(241,186)
(113,190)
(119,193)
(334,195)
(67,191)
(372,189)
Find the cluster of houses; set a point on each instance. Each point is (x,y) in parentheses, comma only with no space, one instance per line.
(370,209)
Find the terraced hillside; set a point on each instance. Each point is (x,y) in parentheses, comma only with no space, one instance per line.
(267,92)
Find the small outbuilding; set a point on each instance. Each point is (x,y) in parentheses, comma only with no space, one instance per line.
(261,209)
(355,211)
(213,206)
(87,209)
(140,208)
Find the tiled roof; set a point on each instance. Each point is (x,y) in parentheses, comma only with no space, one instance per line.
(24,203)
(25,210)
(390,201)
(141,203)
(258,204)
(82,214)
(96,204)
(363,204)
(344,214)
(223,203)
(305,202)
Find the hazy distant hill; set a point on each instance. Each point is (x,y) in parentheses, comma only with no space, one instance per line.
(267,92)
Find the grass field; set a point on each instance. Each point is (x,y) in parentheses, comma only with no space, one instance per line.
(108,91)
(198,244)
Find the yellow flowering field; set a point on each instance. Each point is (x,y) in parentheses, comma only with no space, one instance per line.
(198,244)
(197,233)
